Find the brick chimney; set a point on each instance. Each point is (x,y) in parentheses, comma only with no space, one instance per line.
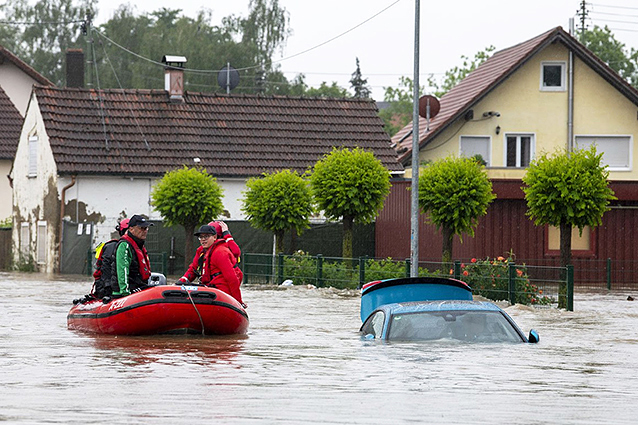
(74,68)
(174,77)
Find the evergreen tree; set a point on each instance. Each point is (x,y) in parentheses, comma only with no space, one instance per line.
(359,84)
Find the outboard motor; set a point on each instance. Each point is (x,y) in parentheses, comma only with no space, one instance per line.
(157,279)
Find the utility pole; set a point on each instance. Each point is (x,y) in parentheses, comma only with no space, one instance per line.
(582,14)
(86,31)
(414,219)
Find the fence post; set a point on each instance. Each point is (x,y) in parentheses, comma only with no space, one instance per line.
(319,270)
(280,268)
(457,270)
(164,263)
(408,266)
(362,270)
(570,287)
(609,273)
(511,282)
(89,263)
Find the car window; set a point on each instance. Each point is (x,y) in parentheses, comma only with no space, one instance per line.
(374,325)
(469,326)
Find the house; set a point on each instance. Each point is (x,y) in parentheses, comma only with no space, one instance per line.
(545,93)
(16,80)
(86,158)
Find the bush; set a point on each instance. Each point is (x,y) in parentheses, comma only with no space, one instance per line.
(490,278)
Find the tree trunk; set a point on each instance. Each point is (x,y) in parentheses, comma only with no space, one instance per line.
(293,240)
(565,260)
(189,250)
(448,240)
(279,244)
(346,250)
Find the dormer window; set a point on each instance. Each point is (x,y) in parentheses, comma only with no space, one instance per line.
(553,76)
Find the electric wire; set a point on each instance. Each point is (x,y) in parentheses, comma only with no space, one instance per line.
(101,101)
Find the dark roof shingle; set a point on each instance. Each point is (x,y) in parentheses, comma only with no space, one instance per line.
(141,132)
(10,126)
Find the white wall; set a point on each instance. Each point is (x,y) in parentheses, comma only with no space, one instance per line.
(113,198)
(17,85)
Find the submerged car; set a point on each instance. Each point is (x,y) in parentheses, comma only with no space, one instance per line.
(429,309)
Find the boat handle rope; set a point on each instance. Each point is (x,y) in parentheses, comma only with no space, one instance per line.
(196,310)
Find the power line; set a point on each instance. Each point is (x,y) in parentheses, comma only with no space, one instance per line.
(613,7)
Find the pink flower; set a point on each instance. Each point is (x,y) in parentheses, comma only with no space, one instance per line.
(465,273)
(473,260)
(519,272)
(501,259)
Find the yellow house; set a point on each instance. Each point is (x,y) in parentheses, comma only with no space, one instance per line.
(542,94)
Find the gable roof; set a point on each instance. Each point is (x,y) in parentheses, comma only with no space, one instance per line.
(140,132)
(10,126)
(39,78)
(495,70)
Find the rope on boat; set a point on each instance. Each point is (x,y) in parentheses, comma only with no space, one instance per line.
(196,310)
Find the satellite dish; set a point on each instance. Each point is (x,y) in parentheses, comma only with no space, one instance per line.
(228,78)
(434,104)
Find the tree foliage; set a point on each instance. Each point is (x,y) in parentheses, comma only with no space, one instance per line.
(455,192)
(399,111)
(278,202)
(603,44)
(567,188)
(359,84)
(43,31)
(187,197)
(351,185)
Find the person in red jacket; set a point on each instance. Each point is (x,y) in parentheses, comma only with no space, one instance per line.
(214,264)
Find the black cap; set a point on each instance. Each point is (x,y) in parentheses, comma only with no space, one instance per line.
(206,229)
(138,220)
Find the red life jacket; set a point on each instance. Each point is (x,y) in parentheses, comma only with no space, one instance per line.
(143,263)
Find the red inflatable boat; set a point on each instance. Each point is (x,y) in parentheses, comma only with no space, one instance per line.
(162,309)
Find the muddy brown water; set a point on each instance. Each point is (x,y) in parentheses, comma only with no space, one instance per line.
(303,361)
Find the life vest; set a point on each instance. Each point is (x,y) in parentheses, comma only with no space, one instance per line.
(105,255)
(140,269)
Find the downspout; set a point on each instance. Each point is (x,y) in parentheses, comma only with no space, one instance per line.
(61,229)
(570,96)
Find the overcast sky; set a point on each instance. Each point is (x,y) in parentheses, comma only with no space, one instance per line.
(385,43)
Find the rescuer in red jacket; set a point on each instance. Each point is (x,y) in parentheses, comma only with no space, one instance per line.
(215,264)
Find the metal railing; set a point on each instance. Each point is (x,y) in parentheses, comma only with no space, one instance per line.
(517,283)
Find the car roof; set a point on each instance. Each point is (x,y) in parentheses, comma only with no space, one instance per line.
(445,305)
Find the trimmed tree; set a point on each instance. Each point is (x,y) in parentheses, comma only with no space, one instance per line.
(187,197)
(567,190)
(351,185)
(277,202)
(455,192)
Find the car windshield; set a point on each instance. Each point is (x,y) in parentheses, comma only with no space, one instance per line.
(469,326)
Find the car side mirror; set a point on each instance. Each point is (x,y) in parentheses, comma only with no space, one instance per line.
(533,336)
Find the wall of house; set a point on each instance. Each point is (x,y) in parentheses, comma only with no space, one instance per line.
(5,189)
(17,85)
(35,198)
(599,109)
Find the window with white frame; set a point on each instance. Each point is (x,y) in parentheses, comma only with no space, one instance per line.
(553,76)
(24,240)
(41,242)
(33,156)
(519,150)
(476,145)
(616,150)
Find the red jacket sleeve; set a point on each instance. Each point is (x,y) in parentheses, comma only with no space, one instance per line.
(232,245)
(191,273)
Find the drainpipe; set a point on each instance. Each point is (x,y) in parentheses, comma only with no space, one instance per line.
(570,94)
(61,230)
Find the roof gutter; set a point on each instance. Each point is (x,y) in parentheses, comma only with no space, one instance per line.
(61,229)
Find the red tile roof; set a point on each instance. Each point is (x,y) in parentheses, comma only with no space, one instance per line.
(39,78)
(139,132)
(10,126)
(458,101)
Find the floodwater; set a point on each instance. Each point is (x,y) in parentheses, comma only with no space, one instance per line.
(303,362)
